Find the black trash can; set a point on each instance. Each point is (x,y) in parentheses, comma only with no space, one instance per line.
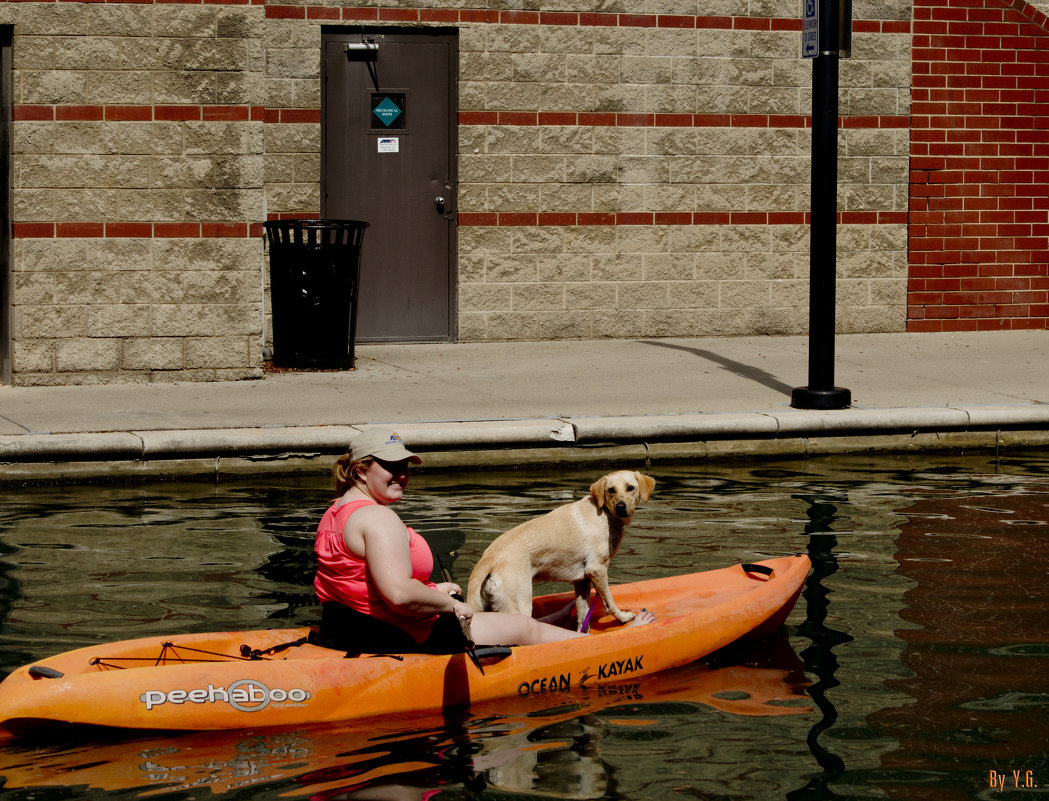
(315,268)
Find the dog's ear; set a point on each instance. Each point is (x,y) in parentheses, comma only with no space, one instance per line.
(647,484)
(597,492)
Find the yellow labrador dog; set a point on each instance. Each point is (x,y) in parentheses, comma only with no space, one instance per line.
(574,542)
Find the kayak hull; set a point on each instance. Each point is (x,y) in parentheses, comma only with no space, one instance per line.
(212,681)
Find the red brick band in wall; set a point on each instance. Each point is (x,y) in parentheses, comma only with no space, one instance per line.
(191,113)
(517,218)
(191,230)
(135,230)
(137,113)
(452,16)
(658,120)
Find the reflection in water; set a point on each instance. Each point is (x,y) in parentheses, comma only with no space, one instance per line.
(977,648)
(921,628)
(819,657)
(10,594)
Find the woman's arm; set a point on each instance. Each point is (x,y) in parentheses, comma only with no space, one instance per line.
(388,557)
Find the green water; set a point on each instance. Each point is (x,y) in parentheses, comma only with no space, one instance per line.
(914,666)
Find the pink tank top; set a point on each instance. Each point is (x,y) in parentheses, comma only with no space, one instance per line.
(342,575)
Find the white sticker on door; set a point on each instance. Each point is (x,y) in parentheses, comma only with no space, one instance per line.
(389,144)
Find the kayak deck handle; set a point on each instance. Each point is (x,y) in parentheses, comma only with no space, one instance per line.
(493,652)
(41,672)
(764,572)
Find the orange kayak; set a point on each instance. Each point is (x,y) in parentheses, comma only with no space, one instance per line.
(235,680)
(331,759)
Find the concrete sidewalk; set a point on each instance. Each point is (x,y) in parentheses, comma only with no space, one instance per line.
(549,402)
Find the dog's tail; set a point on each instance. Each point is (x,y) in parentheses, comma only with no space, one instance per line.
(480,595)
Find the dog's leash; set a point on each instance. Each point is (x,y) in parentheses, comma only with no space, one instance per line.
(585,627)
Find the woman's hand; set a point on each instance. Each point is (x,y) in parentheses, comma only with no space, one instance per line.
(462,611)
(450,588)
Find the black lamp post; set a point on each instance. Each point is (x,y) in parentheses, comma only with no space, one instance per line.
(834,27)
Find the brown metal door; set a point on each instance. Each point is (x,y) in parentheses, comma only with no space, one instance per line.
(387,157)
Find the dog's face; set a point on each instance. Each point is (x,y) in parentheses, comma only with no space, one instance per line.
(619,493)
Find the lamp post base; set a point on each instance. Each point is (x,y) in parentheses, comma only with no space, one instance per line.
(836,398)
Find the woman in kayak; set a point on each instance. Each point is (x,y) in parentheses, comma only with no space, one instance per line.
(373,571)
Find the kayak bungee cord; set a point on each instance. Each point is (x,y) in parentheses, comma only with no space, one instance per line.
(171,653)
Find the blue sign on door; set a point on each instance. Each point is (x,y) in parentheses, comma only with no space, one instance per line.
(387,110)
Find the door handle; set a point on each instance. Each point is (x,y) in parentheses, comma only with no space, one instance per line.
(439,203)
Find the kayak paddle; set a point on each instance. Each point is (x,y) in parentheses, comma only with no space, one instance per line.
(464,624)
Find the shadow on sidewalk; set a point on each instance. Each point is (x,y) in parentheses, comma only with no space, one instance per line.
(755,374)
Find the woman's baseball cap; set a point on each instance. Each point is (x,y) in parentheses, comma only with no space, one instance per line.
(382,444)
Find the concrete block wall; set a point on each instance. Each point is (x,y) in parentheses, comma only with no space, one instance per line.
(979,233)
(653,180)
(622,174)
(638,174)
(137,191)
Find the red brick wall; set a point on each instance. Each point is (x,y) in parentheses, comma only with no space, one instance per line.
(979,205)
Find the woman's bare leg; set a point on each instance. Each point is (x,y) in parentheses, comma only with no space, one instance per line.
(499,628)
(502,628)
(560,617)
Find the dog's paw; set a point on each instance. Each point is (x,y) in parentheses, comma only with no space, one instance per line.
(625,617)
